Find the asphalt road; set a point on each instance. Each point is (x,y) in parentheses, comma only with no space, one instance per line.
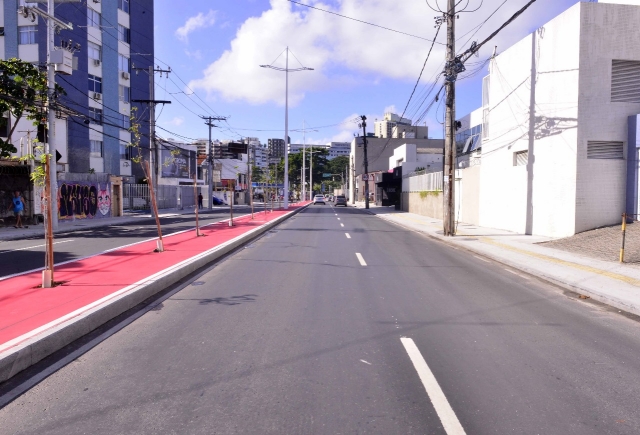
(17,256)
(296,334)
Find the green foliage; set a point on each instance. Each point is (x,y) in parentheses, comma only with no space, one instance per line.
(24,92)
(425,193)
(257,174)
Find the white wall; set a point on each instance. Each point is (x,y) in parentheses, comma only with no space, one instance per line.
(601,184)
(506,188)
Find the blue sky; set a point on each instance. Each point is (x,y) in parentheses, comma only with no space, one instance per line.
(215,47)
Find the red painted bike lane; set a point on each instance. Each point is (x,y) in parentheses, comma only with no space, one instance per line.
(26,307)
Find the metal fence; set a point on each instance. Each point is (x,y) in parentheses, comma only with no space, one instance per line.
(420,182)
(138,197)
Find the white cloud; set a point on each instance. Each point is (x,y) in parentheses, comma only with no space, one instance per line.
(200,21)
(177,121)
(197,54)
(339,48)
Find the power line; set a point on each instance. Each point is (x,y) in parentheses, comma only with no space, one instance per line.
(361,21)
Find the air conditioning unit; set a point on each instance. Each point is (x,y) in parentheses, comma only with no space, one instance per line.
(96,62)
(125,75)
(97,96)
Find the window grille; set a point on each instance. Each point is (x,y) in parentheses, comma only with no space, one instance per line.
(608,150)
(625,81)
(521,158)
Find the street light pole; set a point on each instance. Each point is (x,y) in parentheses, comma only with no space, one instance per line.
(286,122)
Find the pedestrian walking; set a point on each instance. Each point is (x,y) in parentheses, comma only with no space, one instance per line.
(18,209)
(200,200)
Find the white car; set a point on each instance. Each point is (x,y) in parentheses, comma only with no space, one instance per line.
(318,199)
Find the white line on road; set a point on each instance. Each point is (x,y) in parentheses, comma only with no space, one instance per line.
(342,225)
(360,259)
(348,236)
(447,416)
(32,247)
(483,259)
(338,218)
(511,271)
(366,362)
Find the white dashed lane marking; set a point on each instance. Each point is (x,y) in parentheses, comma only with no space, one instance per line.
(360,259)
(447,416)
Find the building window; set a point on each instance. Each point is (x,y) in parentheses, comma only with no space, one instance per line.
(96,148)
(520,158)
(123,63)
(123,5)
(95,84)
(125,121)
(93,18)
(124,34)
(28,34)
(124,152)
(95,116)
(125,94)
(95,51)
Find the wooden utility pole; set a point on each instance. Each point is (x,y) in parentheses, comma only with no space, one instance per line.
(366,162)
(450,132)
(195,195)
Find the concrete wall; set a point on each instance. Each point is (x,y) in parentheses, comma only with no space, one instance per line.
(468,195)
(608,32)
(428,204)
(535,113)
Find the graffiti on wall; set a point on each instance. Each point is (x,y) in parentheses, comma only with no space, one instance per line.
(84,200)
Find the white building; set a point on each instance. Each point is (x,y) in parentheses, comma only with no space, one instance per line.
(555,130)
(411,159)
(394,126)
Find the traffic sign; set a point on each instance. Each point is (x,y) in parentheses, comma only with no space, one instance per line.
(326,175)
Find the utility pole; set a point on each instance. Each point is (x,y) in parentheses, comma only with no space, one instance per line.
(210,158)
(366,161)
(450,132)
(154,156)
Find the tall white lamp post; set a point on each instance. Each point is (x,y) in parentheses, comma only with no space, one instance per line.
(287,70)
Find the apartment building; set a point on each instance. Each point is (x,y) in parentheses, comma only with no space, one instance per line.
(108,38)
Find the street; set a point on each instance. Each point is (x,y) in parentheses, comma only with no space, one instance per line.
(338,322)
(24,255)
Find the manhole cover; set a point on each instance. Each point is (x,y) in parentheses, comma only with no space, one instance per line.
(197,283)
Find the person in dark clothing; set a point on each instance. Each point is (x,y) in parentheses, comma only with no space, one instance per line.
(200,200)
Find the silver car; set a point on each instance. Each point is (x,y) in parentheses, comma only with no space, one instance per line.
(341,200)
(318,199)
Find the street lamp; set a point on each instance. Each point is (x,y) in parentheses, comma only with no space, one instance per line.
(286,121)
(304,160)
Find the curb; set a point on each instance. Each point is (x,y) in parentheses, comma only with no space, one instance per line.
(54,337)
(604,299)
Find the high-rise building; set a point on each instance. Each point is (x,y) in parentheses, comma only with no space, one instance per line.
(393,126)
(276,149)
(108,37)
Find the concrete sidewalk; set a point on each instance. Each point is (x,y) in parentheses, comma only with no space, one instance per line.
(609,282)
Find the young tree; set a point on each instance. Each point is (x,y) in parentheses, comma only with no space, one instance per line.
(23,94)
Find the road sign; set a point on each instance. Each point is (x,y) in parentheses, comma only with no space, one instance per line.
(326,175)
(216,176)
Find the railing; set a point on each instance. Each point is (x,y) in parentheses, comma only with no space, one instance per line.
(137,197)
(421,181)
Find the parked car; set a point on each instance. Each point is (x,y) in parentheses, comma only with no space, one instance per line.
(341,200)
(217,201)
(318,199)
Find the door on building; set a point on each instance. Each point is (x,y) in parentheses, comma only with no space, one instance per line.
(116,207)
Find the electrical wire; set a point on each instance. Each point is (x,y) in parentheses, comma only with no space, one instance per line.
(361,21)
